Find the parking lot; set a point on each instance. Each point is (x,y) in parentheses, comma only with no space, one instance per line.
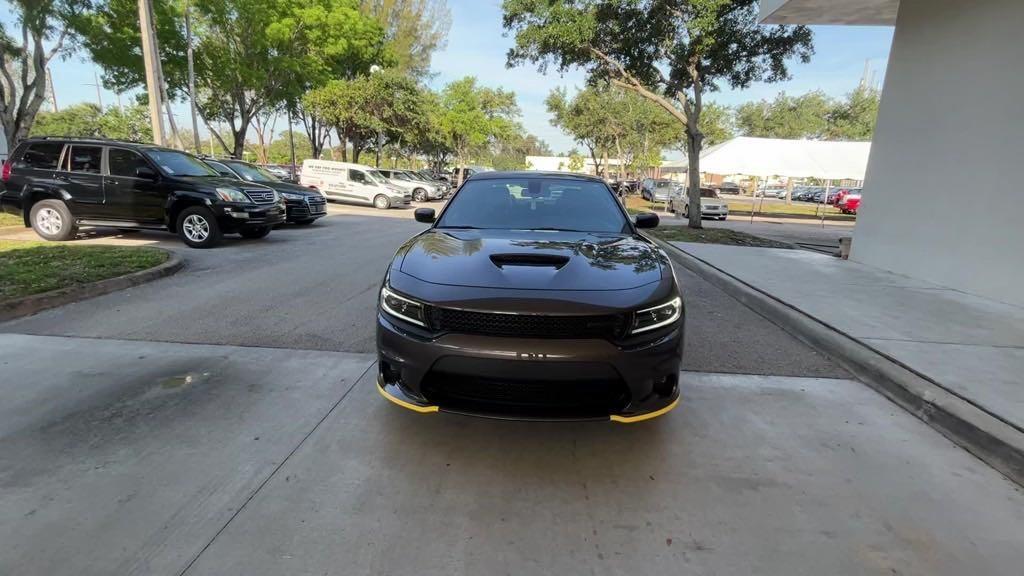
(225,421)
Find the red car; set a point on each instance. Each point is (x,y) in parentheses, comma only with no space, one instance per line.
(842,193)
(849,203)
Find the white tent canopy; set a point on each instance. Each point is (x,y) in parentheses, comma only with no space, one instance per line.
(794,158)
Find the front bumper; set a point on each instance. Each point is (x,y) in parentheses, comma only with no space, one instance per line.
(233,216)
(309,208)
(588,379)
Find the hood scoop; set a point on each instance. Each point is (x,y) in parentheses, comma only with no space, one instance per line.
(555,261)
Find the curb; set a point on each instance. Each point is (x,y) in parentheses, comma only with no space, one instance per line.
(993,440)
(34,303)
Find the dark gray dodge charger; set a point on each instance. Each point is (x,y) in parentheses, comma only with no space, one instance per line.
(531,296)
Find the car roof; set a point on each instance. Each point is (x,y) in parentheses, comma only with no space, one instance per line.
(496,175)
(98,142)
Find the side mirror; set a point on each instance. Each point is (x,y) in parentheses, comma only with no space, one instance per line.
(647,220)
(425,215)
(144,172)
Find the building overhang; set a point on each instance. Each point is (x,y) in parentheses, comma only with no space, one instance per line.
(845,12)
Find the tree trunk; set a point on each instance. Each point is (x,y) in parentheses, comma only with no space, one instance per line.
(693,145)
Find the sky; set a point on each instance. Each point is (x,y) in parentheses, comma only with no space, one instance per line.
(477,45)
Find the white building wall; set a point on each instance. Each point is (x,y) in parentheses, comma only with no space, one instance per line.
(944,199)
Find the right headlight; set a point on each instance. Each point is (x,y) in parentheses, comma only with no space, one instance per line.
(657,316)
(232,195)
(402,308)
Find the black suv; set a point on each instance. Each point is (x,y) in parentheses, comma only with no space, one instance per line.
(57,184)
(305,205)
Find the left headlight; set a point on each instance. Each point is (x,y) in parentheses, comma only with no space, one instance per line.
(657,316)
(402,308)
(290,196)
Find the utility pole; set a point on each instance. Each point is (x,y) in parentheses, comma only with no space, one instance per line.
(149,57)
(53,93)
(191,78)
(291,143)
(99,97)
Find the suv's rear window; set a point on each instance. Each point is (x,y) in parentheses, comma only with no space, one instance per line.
(42,155)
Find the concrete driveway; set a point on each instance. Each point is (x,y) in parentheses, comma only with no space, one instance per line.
(225,421)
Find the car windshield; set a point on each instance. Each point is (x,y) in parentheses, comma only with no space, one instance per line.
(707,193)
(176,163)
(535,204)
(376,177)
(252,173)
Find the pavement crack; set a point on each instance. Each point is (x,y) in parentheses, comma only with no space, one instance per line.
(274,471)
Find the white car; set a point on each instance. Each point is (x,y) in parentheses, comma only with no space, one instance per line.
(711,206)
(353,183)
(420,189)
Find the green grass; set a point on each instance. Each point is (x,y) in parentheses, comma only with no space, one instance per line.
(714,236)
(10,220)
(34,267)
(636,204)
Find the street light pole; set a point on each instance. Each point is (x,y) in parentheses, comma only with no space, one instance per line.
(191,80)
(152,77)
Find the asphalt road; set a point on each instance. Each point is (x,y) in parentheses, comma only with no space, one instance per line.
(225,421)
(315,288)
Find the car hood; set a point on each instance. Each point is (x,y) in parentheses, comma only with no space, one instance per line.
(531,260)
(291,188)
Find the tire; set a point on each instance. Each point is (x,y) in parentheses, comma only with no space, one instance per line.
(306,222)
(52,220)
(381,202)
(255,233)
(198,228)
(419,195)
(723,218)
(686,211)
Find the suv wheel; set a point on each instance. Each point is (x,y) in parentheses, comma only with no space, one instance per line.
(381,202)
(52,220)
(198,228)
(253,233)
(419,195)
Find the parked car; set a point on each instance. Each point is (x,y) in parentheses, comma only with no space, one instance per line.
(59,184)
(467,172)
(420,189)
(657,189)
(850,203)
(842,193)
(434,175)
(433,178)
(493,311)
(352,183)
(806,193)
(819,197)
(304,205)
(726,188)
(711,205)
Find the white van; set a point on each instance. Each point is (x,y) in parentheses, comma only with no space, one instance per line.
(353,183)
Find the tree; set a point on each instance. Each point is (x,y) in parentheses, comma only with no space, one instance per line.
(471,116)
(794,117)
(280,152)
(414,30)
(251,55)
(668,51)
(716,123)
(45,35)
(576,163)
(88,121)
(854,118)
(387,103)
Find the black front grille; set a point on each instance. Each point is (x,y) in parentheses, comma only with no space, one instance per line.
(567,398)
(526,325)
(261,196)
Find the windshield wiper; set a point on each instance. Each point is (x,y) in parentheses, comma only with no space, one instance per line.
(553,229)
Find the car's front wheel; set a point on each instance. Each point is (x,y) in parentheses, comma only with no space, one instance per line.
(419,195)
(198,228)
(254,233)
(381,202)
(52,220)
